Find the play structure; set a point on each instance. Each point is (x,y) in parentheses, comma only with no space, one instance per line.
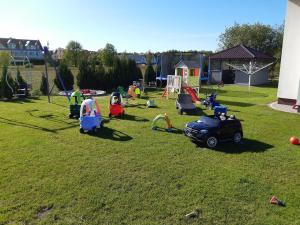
(177,84)
(23,87)
(90,116)
(135,90)
(116,107)
(49,60)
(184,103)
(75,103)
(164,117)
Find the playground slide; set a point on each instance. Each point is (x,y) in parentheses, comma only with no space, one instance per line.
(192,93)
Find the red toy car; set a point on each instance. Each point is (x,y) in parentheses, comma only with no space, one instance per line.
(115,105)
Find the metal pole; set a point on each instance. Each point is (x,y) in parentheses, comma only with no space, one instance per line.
(47,81)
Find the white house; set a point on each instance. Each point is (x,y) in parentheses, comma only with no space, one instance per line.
(289,78)
(22,48)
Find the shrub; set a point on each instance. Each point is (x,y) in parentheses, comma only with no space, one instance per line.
(5,90)
(66,76)
(43,85)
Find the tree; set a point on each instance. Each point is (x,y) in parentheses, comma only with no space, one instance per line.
(261,37)
(66,76)
(108,54)
(43,85)
(4,59)
(5,89)
(150,74)
(73,53)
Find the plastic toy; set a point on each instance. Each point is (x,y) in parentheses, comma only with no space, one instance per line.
(162,117)
(75,103)
(210,101)
(131,91)
(294,140)
(184,103)
(150,104)
(137,92)
(218,110)
(274,200)
(115,105)
(211,130)
(90,116)
(122,91)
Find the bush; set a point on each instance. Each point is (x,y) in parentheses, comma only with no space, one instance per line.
(5,90)
(43,85)
(150,74)
(66,76)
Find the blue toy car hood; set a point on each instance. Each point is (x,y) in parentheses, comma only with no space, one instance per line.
(197,125)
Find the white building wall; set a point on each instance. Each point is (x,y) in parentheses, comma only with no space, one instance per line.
(290,60)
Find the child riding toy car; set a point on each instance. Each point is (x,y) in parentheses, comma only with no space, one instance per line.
(90,116)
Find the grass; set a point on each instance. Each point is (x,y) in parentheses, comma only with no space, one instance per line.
(129,174)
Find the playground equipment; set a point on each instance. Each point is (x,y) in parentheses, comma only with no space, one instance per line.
(75,103)
(164,117)
(184,103)
(175,84)
(294,140)
(90,116)
(49,59)
(150,104)
(22,87)
(115,105)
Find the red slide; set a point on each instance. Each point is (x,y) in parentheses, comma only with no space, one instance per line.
(192,93)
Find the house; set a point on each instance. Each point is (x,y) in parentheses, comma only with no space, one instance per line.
(289,77)
(22,48)
(221,68)
(58,54)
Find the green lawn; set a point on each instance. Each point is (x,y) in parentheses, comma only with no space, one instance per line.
(129,174)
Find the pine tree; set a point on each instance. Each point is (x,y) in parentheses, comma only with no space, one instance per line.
(66,76)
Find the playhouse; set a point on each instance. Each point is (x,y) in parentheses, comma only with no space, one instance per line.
(187,69)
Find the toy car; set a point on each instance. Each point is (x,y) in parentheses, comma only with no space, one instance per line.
(90,116)
(184,103)
(211,130)
(115,105)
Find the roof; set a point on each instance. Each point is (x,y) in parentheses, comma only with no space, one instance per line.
(240,52)
(20,43)
(189,63)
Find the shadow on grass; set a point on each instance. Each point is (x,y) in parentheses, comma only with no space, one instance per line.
(131,118)
(247,145)
(174,130)
(138,105)
(232,93)
(21,100)
(233,103)
(26,125)
(111,134)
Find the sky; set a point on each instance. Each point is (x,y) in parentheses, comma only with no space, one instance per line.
(133,25)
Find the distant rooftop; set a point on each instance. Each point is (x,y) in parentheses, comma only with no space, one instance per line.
(240,52)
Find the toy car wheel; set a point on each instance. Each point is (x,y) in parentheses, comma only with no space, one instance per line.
(180,111)
(81,130)
(95,129)
(211,142)
(109,115)
(70,116)
(101,124)
(237,137)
